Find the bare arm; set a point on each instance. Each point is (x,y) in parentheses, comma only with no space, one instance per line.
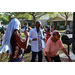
(21,43)
(47,53)
(27,39)
(64,50)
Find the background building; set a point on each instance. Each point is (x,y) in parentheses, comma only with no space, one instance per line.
(59,22)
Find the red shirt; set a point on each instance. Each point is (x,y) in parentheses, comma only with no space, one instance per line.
(51,29)
(48,34)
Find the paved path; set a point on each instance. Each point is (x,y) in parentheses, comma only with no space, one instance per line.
(71,55)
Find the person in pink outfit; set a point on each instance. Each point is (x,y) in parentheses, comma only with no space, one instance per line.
(52,47)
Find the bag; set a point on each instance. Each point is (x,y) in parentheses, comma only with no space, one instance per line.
(28,50)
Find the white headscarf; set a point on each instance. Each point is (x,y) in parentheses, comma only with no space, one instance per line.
(6,45)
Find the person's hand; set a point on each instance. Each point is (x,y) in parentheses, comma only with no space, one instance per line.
(23,39)
(35,39)
(70,60)
(26,33)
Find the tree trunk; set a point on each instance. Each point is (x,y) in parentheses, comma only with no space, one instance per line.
(34,19)
(9,17)
(66,23)
(66,20)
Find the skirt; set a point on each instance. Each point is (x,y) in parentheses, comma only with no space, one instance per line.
(21,59)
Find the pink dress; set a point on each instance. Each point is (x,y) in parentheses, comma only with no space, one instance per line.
(52,47)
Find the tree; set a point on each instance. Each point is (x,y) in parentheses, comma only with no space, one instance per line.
(52,14)
(9,15)
(36,15)
(66,15)
(4,19)
(33,15)
(29,15)
(22,15)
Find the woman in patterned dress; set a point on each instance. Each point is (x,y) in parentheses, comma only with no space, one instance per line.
(13,42)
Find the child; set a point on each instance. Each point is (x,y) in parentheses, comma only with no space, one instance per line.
(48,34)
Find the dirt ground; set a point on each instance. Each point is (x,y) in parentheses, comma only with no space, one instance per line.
(28,59)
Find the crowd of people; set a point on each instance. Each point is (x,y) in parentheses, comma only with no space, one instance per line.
(15,45)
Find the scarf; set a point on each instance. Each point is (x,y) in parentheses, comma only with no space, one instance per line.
(6,45)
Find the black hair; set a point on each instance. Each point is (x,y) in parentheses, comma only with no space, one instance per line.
(38,22)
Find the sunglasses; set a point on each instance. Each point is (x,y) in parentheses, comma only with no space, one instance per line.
(57,38)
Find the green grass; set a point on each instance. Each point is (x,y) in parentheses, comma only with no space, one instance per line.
(22,34)
(61,30)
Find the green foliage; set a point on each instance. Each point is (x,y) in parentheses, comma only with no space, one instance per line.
(52,14)
(22,15)
(4,19)
(66,14)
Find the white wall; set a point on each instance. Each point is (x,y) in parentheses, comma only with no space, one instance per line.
(58,19)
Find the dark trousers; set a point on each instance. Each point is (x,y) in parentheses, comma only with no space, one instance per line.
(56,58)
(34,56)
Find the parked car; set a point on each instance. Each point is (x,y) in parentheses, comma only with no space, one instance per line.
(69,30)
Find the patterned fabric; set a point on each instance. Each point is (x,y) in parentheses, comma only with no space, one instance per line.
(39,41)
(17,52)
